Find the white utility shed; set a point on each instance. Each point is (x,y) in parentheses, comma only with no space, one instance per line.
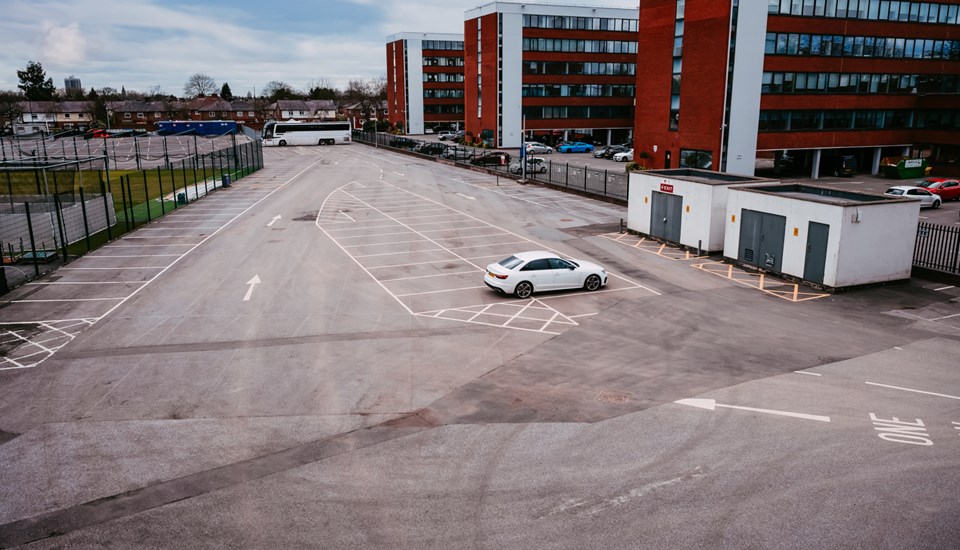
(824,236)
(684,206)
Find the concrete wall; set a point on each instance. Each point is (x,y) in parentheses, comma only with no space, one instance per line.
(704,208)
(880,246)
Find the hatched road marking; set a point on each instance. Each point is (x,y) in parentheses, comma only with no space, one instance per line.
(431,258)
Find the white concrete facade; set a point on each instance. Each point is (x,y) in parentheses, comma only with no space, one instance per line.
(869,242)
(510,107)
(413,73)
(745,88)
(704,207)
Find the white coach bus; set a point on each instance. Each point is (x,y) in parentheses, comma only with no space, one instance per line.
(306,133)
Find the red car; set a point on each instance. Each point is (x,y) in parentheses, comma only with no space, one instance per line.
(948,189)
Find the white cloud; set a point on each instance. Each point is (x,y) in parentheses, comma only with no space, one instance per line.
(63,45)
(139,44)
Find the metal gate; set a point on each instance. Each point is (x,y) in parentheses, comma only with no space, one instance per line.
(666,212)
(816,259)
(761,239)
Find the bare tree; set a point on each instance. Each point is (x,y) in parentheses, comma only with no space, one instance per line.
(199,84)
(279,90)
(367,94)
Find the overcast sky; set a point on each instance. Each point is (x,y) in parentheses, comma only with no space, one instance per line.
(142,44)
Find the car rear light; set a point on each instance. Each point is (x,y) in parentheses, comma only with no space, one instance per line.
(501,277)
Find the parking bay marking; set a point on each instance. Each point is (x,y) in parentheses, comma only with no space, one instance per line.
(710,405)
(914,391)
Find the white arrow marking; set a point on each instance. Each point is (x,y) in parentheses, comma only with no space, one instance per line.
(252,282)
(710,405)
(274,220)
(467,196)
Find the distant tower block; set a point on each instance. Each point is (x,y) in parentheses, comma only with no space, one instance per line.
(72,83)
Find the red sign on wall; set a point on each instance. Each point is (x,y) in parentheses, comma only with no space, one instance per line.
(666,187)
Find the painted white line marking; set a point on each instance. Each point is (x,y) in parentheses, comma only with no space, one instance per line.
(914,391)
(807,373)
(342,213)
(100,256)
(89,283)
(710,405)
(66,300)
(274,220)
(252,282)
(398,173)
(437,291)
(943,288)
(467,196)
(108,268)
(945,317)
(472,272)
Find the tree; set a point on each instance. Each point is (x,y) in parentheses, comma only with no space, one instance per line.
(367,94)
(35,84)
(321,89)
(199,84)
(225,92)
(277,90)
(10,110)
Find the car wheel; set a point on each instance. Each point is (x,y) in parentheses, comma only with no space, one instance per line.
(523,290)
(936,204)
(592,283)
(283,143)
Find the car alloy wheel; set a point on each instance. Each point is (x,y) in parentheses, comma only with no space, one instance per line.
(592,283)
(523,290)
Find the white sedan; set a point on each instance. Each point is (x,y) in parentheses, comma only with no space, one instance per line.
(626,156)
(526,272)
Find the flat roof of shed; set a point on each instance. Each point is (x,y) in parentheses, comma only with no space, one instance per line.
(827,195)
(708,177)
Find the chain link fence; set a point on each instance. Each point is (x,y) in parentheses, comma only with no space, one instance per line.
(54,209)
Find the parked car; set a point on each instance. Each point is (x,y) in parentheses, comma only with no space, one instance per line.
(445,135)
(926,197)
(626,156)
(947,189)
(845,165)
(431,148)
(403,142)
(574,147)
(537,148)
(455,152)
(458,136)
(535,165)
(525,272)
(608,151)
(491,158)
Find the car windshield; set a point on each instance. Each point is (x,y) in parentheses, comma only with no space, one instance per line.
(894,191)
(510,262)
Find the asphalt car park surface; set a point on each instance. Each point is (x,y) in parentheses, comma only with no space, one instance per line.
(310,358)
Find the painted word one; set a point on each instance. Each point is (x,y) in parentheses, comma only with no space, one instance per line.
(899,431)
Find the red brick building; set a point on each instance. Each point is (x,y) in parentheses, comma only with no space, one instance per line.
(570,70)
(425,81)
(818,79)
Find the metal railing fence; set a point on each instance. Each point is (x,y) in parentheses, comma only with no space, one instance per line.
(937,248)
(52,211)
(611,184)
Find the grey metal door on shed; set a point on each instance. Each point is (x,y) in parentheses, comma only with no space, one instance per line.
(816,259)
(761,239)
(665,216)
